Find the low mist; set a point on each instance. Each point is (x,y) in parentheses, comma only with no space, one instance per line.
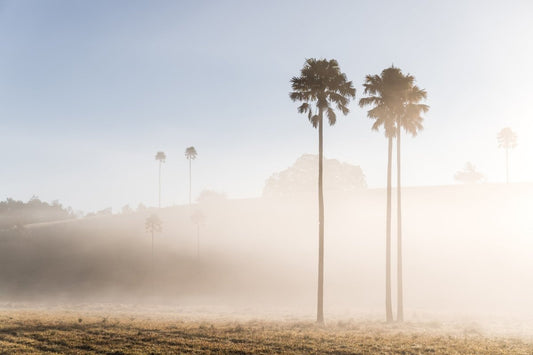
(466,253)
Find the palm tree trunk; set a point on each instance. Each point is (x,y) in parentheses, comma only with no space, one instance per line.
(399,231)
(388,301)
(190,181)
(320,298)
(160,184)
(198,240)
(153,264)
(507,165)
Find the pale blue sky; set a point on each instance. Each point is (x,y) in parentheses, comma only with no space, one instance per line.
(91,90)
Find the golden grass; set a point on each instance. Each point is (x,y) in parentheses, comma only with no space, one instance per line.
(36,332)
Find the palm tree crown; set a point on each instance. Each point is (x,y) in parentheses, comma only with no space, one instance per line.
(322,82)
(394,97)
(161,156)
(153,224)
(506,138)
(191,153)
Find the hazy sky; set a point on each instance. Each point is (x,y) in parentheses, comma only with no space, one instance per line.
(91,90)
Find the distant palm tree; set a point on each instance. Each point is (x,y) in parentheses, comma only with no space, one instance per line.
(394,98)
(506,140)
(321,84)
(198,218)
(160,156)
(191,154)
(153,225)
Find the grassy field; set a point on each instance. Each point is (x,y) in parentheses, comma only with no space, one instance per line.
(33,332)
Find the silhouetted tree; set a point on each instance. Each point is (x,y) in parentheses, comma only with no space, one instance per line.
(198,218)
(506,140)
(469,175)
(300,179)
(321,84)
(153,225)
(160,157)
(17,213)
(191,154)
(409,118)
(394,99)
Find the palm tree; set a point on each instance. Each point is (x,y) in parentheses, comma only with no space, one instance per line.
(395,105)
(191,154)
(160,156)
(377,89)
(321,84)
(506,140)
(198,218)
(153,225)
(410,119)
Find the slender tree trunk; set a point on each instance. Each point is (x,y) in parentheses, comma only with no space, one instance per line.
(399,221)
(153,263)
(198,240)
(190,181)
(320,298)
(507,165)
(160,184)
(388,301)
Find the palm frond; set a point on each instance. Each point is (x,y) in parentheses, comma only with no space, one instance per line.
(314,120)
(332,118)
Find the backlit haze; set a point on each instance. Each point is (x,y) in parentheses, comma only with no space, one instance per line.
(90,91)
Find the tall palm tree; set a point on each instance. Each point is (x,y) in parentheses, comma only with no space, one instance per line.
(190,154)
(409,118)
(320,85)
(394,98)
(377,89)
(506,140)
(395,105)
(160,156)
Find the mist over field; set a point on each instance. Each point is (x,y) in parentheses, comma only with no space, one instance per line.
(466,248)
(245,177)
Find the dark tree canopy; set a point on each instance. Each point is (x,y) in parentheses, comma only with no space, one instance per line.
(161,156)
(190,153)
(392,97)
(323,84)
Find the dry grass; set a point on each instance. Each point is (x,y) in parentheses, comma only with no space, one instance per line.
(32,332)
